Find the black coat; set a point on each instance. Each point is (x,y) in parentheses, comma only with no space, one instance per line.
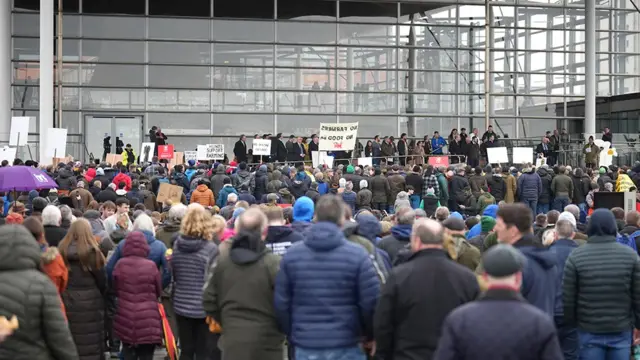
(415,302)
(278,150)
(402,147)
(416,181)
(54,234)
(540,150)
(497,187)
(107,195)
(545,196)
(160,139)
(240,151)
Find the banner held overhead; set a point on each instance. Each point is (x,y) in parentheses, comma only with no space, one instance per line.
(338,136)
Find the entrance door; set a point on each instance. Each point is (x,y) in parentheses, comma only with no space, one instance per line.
(103,134)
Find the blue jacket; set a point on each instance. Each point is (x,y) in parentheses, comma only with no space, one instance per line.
(561,248)
(349,197)
(437,144)
(157,251)
(539,275)
(529,186)
(189,173)
(326,291)
(222,196)
(323,187)
(491,210)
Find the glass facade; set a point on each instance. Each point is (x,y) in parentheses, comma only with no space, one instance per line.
(263,67)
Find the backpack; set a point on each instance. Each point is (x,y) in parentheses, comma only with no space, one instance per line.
(628,240)
(377,261)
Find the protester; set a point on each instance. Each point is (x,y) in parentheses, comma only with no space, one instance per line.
(51,219)
(400,233)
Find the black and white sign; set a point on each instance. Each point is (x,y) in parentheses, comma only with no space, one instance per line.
(338,136)
(261,147)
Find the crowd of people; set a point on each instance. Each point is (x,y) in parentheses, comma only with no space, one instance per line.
(402,261)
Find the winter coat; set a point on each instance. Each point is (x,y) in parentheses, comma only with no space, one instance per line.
(349,197)
(436,145)
(240,297)
(476,182)
(217,180)
(298,188)
(363,198)
(122,177)
(484,200)
(313,195)
(190,263)
(80,198)
(591,152)
(418,155)
(610,301)
(430,205)
(280,238)
(167,233)
(497,186)
(562,185)
(561,248)
(529,186)
(137,285)
(500,325)
(156,254)
(54,234)
(203,196)
(464,253)
(458,184)
(246,196)
(581,187)
(380,189)
(604,179)
(538,275)
(326,291)
(624,183)
(415,180)
(224,193)
(107,194)
(396,241)
(150,202)
(396,185)
(66,180)
(53,265)
(84,302)
(415,302)
(387,149)
(259,183)
(128,157)
(512,189)
(240,178)
(30,295)
(545,178)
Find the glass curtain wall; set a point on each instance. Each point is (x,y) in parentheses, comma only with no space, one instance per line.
(255,68)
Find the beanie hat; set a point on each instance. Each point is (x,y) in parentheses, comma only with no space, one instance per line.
(300,176)
(602,223)
(350,169)
(303,209)
(568,217)
(100,172)
(456,215)
(242,166)
(431,191)
(487,223)
(192,162)
(263,167)
(602,170)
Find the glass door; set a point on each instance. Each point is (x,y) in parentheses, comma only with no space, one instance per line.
(110,134)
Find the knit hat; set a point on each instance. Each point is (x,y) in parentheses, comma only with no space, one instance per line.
(350,169)
(431,191)
(237,212)
(303,209)
(242,166)
(602,170)
(602,223)
(263,167)
(300,176)
(192,162)
(502,260)
(487,223)
(456,215)
(568,217)
(99,172)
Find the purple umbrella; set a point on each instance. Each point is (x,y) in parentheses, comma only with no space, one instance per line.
(24,178)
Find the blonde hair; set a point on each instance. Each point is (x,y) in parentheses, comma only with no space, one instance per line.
(198,223)
(548,237)
(219,224)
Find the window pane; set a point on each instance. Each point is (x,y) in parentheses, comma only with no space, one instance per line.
(306,32)
(171,100)
(29,49)
(28,73)
(317,102)
(112,51)
(364,35)
(306,56)
(370,126)
(378,58)
(303,125)
(367,80)
(26,24)
(123,99)
(179,29)
(113,27)
(252,31)
(112,75)
(367,102)
(179,53)
(242,124)
(307,79)
(367,12)
(179,76)
(243,9)
(180,121)
(243,54)
(241,101)
(242,78)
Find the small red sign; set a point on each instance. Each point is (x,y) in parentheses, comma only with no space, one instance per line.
(439,161)
(165,152)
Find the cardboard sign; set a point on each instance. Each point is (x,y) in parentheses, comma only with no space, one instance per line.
(190,155)
(19,131)
(215,151)
(261,147)
(56,142)
(169,192)
(522,155)
(8,153)
(113,159)
(497,155)
(64,160)
(337,136)
(437,161)
(176,160)
(165,152)
(364,161)
(146,152)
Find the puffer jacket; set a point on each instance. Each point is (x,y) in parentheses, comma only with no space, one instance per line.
(203,196)
(53,265)
(476,182)
(122,177)
(545,178)
(497,186)
(512,188)
(349,197)
(137,285)
(396,185)
(259,182)
(379,188)
(190,263)
(529,186)
(28,294)
(66,180)
(326,291)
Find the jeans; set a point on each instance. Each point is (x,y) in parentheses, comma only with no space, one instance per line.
(568,338)
(560,202)
(532,204)
(352,353)
(612,346)
(138,352)
(415,201)
(542,209)
(196,341)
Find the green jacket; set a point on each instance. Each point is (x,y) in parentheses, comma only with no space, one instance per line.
(591,152)
(464,253)
(484,200)
(443,184)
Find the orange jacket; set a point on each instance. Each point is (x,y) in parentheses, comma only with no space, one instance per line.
(203,196)
(53,265)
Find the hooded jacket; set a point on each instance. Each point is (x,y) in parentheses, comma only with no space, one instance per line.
(280,238)
(167,233)
(122,177)
(539,274)
(190,263)
(137,285)
(562,185)
(299,185)
(529,186)
(217,180)
(53,265)
(545,178)
(326,291)
(259,182)
(224,193)
(240,178)
(66,180)
(396,241)
(491,211)
(497,186)
(561,248)
(30,295)
(581,187)
(380,188)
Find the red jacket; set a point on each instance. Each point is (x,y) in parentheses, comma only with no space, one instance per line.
(122,177)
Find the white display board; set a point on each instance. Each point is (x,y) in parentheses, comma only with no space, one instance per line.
(337,136)
(261,147)
(146,152)
(321,158)
(210,152)
(190,155)
(8,153)
(19,131)
(522,155)
(56,142)
(497,155)
(364,161)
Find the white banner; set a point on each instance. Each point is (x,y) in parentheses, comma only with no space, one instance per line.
(215,151)
(190,155)
(261,147)
(202,152)
(7,153)
(19,131)
(497,155)
(56,142)
(364,161)
(337,136)
(522,155)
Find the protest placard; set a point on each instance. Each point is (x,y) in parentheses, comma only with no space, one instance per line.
(364,161)
(8,153)
(169,192)
(337,136)
(190,155)
(19,131)
(165,152)
(56,142)
(146,152)
(522,155)
(215,151)
(261,147)
(113,159)
(497,155)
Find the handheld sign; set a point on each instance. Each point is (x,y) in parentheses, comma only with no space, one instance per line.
(190,155)
(56,142)
(215,151)
(337,136)
(146,152)
(497,155)
(165,152)
(169,192)
(19,131)
(261,147)
(522,155)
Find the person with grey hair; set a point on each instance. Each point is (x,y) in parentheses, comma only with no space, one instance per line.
(335,313)
(442,214)
(52,219)
(349,196)
(575,211)
(431,286)
(171,226)
(227,210)
(67,217)
(400,233)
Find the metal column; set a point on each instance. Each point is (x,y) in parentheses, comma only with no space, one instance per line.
(45,120)
(5,68)
(590,69)
(488,37)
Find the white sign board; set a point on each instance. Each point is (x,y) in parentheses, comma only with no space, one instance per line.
(540,161)
(364,161)
(337,136)
(497,155)
(321,158)
(7,153)
(190,155)
(522,155)
(56,142)
(202,152)
(146,152)
(261,147)
(215,151)
(19,131)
